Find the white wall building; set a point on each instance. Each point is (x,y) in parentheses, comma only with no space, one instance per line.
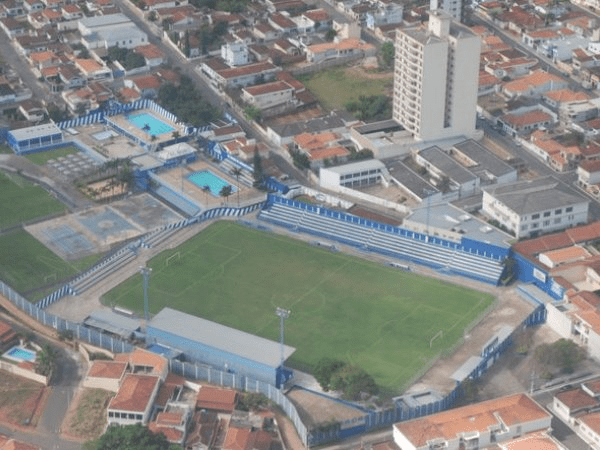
(235,53)
(453,7)
(532,207)
(436,79)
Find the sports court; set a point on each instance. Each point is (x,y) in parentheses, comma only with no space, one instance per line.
(97,230)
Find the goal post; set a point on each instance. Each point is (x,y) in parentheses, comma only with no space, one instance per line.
(439,334)
(176,256)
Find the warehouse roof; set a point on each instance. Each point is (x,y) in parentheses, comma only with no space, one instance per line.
(221,337)
(530,196)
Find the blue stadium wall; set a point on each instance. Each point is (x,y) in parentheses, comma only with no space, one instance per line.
(195,351)
(529,272)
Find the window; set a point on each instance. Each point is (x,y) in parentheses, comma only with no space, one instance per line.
(535,216)
(547,214)
(569,209)
(139,417)
(534,225)
(546,223)
(524,227)
(558,211)
(557,220)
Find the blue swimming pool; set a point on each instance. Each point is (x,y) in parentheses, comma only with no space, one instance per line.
(20,354)
(150,124)
(207,178)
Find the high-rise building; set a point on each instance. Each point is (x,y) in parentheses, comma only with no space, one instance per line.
(436,79)
(456,8)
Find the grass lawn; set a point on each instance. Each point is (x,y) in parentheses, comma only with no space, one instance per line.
(26,264)
(337,86)
(42,158)
(5,149)
(376,317)
(21,200)
(89,418)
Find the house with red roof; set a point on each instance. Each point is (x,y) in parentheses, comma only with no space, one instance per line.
(134,400)
(527,119)
(8,336)
(106,375)
(479,425)
(146,85)
(216,399)
(153,56)
(247,439)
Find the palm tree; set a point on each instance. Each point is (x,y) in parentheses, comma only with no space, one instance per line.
(206,189)
(226,192)
(236,173)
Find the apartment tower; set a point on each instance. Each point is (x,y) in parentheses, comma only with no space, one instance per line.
(456,8)
(436,79)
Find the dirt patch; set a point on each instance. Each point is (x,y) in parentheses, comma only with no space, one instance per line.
(371,215)
(369,73)
(21,401)
(86,418)
(314,409)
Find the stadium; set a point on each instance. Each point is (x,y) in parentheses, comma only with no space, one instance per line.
(332,269)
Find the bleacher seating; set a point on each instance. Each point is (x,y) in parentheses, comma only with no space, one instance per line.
(245,178)
(177,201)
(444,258)
(95,276)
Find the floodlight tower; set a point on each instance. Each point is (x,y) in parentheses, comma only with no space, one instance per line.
(146,271)
(283,314)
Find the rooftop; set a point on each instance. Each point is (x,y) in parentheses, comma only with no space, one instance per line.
(483,158)
(107,369)
(449,425)
(443,162)
(216,398)
(532,196)
(576,399)
(135,393)
(240,343)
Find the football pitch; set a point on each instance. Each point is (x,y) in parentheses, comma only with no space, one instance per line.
(379,318)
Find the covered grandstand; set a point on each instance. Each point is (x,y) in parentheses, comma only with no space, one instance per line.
(469,258)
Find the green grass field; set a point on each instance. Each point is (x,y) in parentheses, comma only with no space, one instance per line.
(21,200)
(379,318)
(42,158)
(26,264)
(335,87)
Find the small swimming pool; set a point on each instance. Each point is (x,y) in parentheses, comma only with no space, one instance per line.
(20,354)
(150,124)
(207,178)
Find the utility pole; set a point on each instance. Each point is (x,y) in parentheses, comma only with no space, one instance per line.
(283,314)
(146,271)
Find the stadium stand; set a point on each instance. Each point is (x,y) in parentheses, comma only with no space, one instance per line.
(386,240)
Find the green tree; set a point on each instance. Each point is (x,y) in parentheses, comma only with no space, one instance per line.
(258,169)
(236,172)
(206,189)
(131,437)
(252,113)
(331,34)
(563,354)
(324,369)
(226,192)
(45,361)
(387,53)
(352,381)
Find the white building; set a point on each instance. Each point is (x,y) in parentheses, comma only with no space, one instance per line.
(134,400)
(453,7)
(110,31)
(353,175)
(436,79)
(268,95)
(532,207)
(235,53)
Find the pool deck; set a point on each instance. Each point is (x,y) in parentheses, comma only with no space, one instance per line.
(135,118)
(123,122)
(177,179)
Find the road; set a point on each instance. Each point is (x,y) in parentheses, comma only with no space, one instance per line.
(13,60)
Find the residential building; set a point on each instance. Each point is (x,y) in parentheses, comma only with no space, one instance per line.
(435,79)
(480,425)
(216,399)
(134,400)
(588,173)
(235,53)
(480,161)
(353,175)
(456,8)
(532,207)
(268,95)
(446,173)
(106,375)
(341,49)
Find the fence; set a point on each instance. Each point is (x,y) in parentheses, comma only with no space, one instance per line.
(59,324)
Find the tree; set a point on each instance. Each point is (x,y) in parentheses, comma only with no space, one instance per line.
(45,361)
(563,354)
(131,437)
(352,381)
(226,192)
(236,172)
(324,369)
(252,113)
(387,53)
(206,189)
(258,169)
(330,35)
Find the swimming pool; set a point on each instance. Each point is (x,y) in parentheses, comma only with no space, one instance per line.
(20,354)
(150,124)
(207,178)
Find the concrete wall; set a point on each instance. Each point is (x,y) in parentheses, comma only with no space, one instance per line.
(12,368)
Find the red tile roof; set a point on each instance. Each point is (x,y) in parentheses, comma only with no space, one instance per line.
(107,369)
(576,399)
(135,393)
(216,398)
